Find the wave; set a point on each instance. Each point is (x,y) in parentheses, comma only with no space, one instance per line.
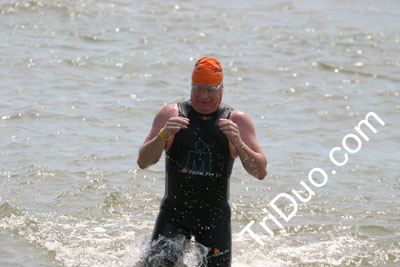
(6,210)
(331,249)
(326,66)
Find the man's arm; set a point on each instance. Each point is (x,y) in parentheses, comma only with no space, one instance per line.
(241,134)
(151,149)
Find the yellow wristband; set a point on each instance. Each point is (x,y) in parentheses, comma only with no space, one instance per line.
(162,136)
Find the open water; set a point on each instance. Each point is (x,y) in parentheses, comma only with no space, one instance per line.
(81,80)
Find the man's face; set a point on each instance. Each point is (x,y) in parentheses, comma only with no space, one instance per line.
(206,98)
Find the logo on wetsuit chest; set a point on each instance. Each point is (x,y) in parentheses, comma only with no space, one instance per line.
(199,161)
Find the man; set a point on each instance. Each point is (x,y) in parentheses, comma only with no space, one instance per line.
(201,137)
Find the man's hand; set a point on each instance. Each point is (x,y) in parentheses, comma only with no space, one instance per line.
(153,146)
(241,134)
(174,125)
(231,130)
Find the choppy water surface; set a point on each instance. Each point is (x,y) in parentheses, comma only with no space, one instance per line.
(81,81)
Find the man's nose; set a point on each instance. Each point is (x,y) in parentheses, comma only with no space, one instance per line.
(204,94)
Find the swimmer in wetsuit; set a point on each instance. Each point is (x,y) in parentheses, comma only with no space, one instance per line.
(201,137)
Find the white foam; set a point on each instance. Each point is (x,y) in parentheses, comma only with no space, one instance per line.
(285,250)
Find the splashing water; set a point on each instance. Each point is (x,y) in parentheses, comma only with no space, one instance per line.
(178,250)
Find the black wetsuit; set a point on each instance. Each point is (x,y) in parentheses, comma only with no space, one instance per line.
(198,167)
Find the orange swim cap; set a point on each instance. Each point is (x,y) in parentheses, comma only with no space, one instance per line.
(207,70)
